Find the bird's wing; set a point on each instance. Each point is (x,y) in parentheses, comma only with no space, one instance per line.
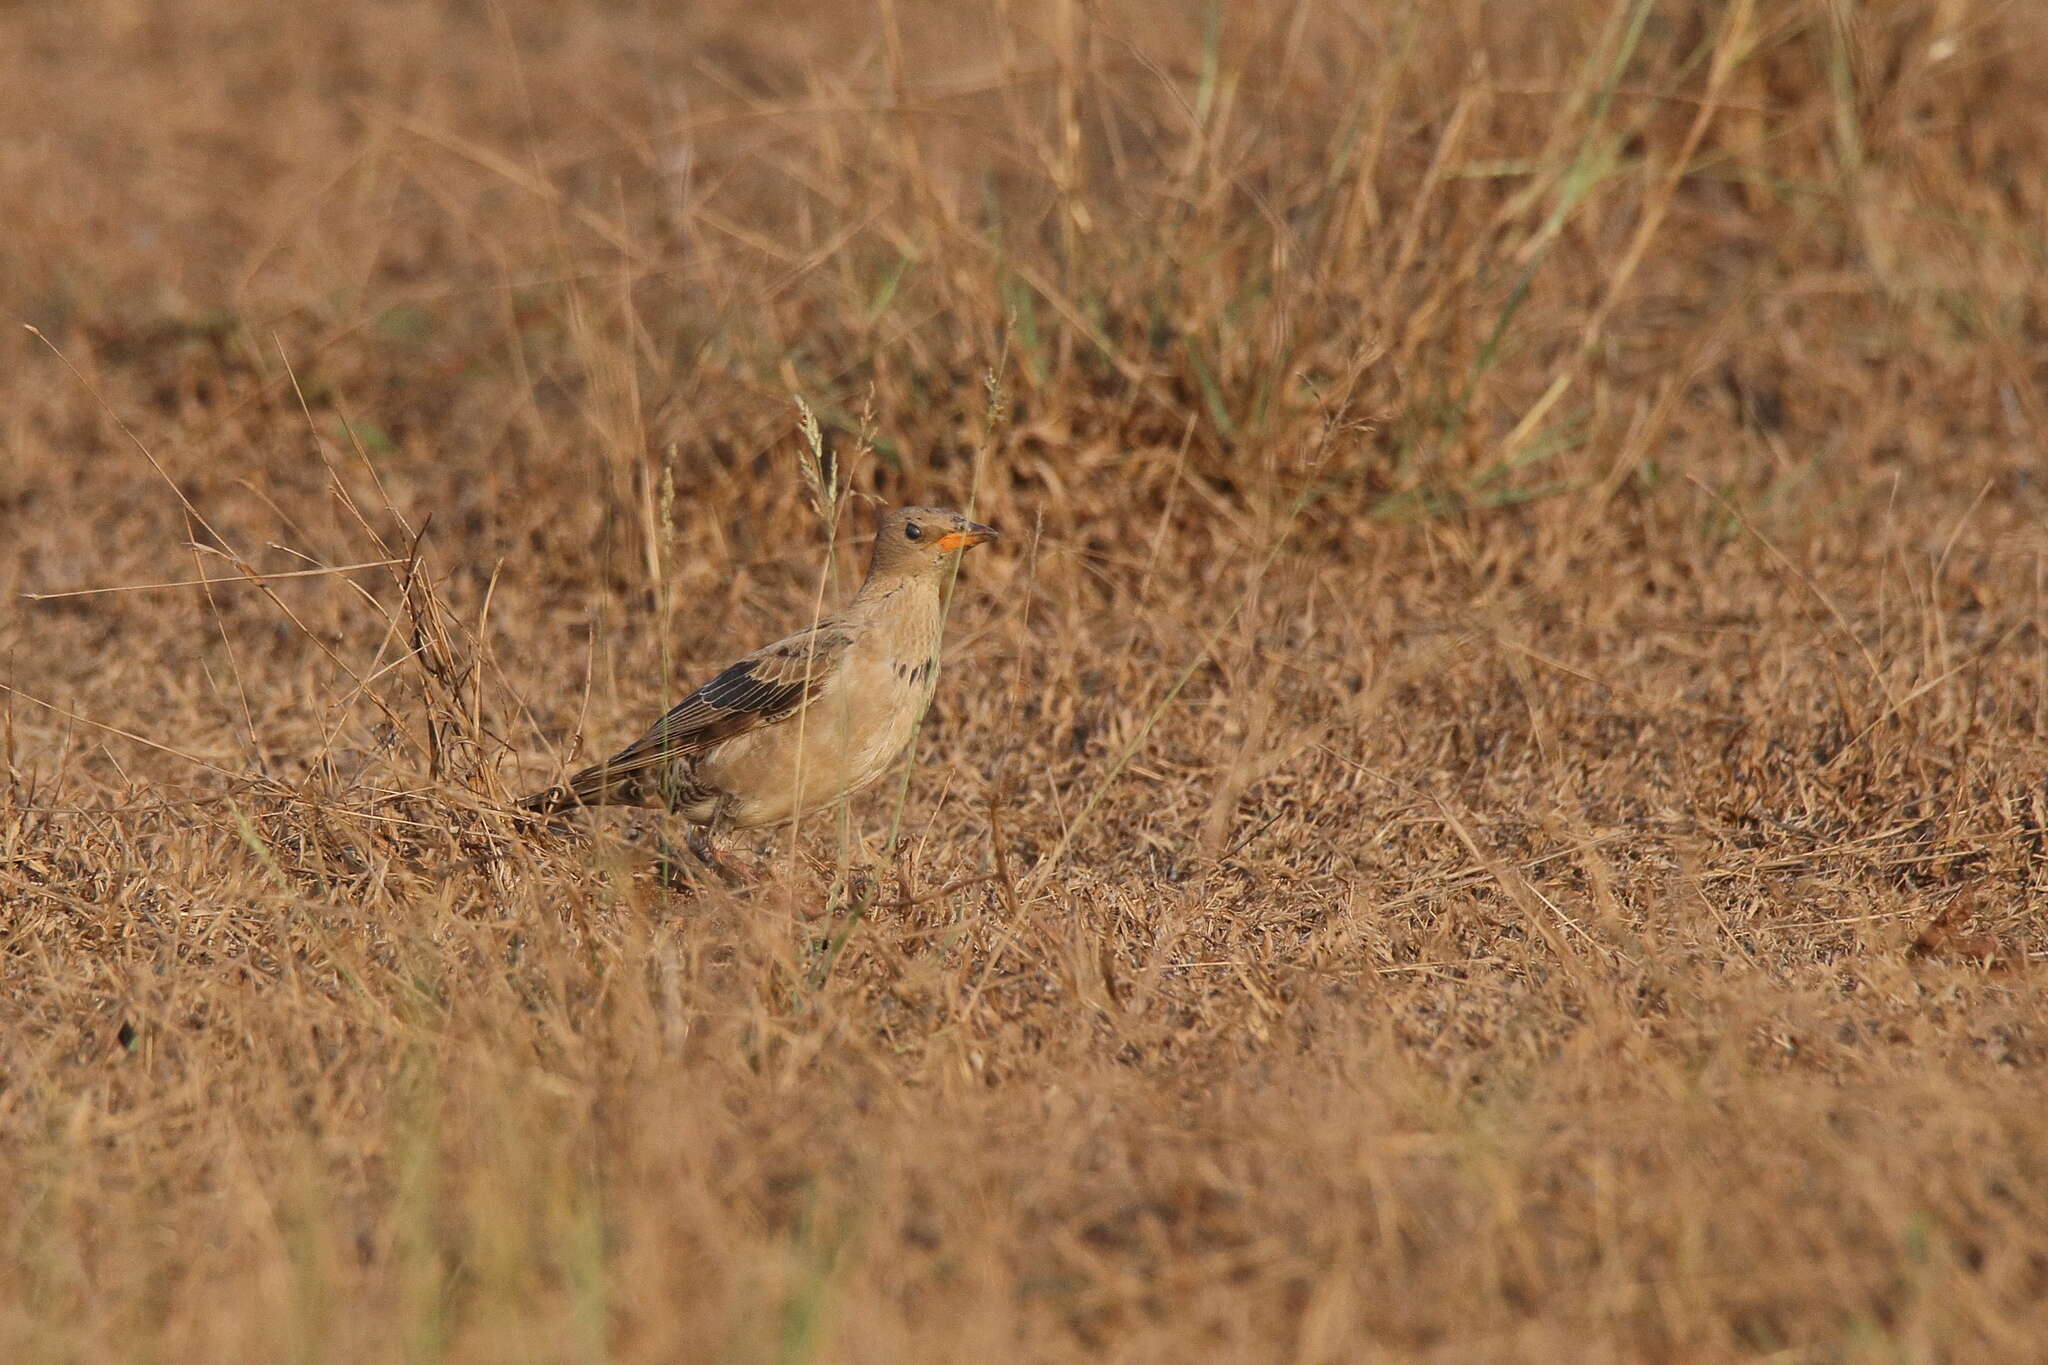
(771,684)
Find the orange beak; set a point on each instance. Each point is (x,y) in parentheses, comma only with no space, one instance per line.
(975,534)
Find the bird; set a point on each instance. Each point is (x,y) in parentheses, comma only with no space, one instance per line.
(804,721)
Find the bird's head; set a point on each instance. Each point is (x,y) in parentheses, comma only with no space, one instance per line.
(921,540)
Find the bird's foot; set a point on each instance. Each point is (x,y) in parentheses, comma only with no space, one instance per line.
(675,870)
(732,871)
(691,871)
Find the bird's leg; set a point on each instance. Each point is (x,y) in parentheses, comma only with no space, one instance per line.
(672,872)
(700,844)
(678,871)
(703,841)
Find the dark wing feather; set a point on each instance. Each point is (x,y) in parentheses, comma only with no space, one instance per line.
(768,685)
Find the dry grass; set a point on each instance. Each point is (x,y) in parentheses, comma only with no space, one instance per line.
(1490,805)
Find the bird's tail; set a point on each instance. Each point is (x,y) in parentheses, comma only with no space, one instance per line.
(553,801)
(601,784)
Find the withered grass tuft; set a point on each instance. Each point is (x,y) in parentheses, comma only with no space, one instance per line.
(1490,804)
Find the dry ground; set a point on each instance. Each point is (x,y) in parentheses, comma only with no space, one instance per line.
(1489,807)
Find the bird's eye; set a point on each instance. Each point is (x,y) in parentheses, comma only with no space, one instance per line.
(914,531)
